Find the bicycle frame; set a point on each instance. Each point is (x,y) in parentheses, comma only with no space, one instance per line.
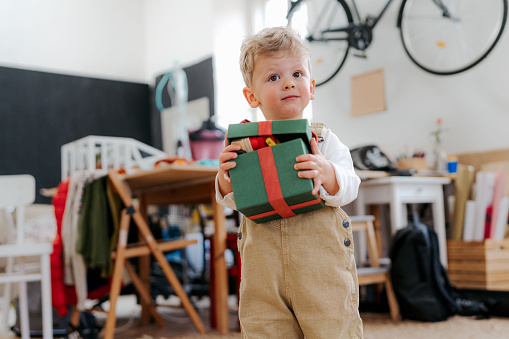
(374,19)
(337,28)
(360,31)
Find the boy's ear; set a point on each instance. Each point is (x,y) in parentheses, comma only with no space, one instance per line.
(250,97)
(312,89)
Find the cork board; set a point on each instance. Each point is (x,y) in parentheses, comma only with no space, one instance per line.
(368,93)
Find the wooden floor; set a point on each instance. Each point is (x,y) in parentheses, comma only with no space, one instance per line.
(177,323)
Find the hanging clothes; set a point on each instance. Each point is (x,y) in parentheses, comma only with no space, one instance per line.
(95,227)
(74,266)
(57,266)
(88,221)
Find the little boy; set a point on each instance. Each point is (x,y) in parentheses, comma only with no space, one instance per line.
(298,274)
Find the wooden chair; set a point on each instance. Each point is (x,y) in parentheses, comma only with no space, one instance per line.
(148,246)
(16,192)
(375,273)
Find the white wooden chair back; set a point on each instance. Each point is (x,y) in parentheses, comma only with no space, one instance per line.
(100,153)
(16,193)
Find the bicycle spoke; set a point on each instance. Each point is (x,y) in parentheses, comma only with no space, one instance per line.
(461,34)
(324,24)
(425,34)
(324,10)
(467,50)
(438,60)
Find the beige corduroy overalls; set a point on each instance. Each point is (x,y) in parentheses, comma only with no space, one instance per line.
(299,278)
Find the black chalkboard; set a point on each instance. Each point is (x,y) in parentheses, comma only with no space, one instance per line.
(39,112)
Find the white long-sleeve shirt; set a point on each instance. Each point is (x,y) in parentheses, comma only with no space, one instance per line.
(339,156)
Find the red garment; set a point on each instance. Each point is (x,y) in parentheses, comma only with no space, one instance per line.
(65,295)
(57,264)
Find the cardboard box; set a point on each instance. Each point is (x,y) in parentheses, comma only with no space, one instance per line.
(265,183)
(413,163)
(479,264)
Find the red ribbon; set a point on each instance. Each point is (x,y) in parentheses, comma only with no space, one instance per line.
(272,185)
(293,207)
(265,127)
(270,177)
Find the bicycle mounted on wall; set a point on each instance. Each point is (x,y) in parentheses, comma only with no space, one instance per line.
(441,37)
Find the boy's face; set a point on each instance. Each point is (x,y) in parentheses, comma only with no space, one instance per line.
(281,86)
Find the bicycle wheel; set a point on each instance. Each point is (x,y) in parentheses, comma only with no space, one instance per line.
(448,43)
(323,24)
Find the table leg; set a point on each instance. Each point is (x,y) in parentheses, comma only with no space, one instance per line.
(220,270)
(439,226)
(398,216)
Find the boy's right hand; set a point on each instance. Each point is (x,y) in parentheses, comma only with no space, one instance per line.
(228,153)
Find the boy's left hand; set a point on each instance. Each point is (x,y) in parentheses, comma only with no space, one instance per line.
(315,166)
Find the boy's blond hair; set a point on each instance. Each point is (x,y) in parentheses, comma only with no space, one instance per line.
(267,42)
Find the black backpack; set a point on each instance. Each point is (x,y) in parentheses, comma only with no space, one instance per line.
(421,284)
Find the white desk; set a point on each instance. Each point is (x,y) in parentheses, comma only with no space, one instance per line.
(398,191)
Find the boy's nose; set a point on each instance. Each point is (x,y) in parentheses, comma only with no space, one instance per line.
(289,84)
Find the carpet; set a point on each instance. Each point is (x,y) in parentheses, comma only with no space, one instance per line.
(379,326)
(235,335)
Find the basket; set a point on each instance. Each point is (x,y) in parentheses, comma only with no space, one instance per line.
(479,264)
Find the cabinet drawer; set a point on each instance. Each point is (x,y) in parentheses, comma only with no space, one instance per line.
(418,191)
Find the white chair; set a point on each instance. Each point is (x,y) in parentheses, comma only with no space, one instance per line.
(17,192)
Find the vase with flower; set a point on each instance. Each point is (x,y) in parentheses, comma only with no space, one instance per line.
(439,153)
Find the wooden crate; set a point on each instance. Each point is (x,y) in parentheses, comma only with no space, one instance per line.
(479,265)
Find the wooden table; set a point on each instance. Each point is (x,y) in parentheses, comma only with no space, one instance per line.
(400,190)
(181,184)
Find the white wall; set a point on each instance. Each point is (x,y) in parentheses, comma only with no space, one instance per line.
(177,32)
(474,105)
(135,40)
(132,40)
(230,27)
(94,38)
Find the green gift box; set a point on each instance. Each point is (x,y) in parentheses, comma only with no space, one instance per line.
(264,181)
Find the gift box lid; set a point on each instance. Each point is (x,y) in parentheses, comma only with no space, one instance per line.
(283,130)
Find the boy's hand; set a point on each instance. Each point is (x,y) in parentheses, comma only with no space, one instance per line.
(315,166)
(228,153)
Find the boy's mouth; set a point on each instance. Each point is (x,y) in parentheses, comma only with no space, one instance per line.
(290,97)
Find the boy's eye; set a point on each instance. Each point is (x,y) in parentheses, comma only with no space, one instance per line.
(274,77)
(297,74)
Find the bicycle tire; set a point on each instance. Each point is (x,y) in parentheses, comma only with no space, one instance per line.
(314,20)
(447,46)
